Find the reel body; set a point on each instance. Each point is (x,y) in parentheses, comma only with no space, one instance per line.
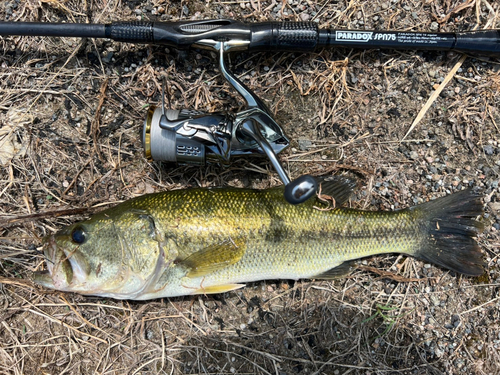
(196,138)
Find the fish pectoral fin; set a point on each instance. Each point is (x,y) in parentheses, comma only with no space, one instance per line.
(339,188)
(219,289)
(214,258)
(337,272)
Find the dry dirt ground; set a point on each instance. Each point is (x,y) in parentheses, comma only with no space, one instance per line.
(71,113)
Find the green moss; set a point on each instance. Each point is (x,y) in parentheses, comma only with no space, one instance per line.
(485,277)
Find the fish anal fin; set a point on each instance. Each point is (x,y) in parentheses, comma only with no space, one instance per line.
(214,258)
(339,188)
(337,272)
(219,288)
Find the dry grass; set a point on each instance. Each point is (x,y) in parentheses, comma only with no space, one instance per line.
(70,121)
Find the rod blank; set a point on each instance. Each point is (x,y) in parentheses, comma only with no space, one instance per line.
(78,30)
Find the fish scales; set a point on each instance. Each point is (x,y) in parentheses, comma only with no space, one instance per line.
(281,240)
(212,240)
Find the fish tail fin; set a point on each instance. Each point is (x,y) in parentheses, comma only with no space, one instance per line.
(451,225)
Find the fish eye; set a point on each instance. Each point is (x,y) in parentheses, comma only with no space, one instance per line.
(78,235)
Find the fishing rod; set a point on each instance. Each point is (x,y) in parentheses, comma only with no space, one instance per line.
(194,137)
(262,36)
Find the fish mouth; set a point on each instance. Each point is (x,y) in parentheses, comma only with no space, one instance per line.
(59,273)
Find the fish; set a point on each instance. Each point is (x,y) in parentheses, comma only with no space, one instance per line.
(215,240)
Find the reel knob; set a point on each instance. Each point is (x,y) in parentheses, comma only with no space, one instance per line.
(301,189)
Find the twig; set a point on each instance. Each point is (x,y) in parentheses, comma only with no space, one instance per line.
(435,95)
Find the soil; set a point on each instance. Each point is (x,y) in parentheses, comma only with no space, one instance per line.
(71,117)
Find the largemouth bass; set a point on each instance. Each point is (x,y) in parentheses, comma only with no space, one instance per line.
(199,241)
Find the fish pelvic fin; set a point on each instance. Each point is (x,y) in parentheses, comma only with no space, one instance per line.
(451,225)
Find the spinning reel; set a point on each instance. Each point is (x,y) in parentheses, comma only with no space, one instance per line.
(193,137)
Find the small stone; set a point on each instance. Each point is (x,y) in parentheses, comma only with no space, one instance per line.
(305,16)
(304,144)
(434,26)
(488,150)
(107,59)
(414,155)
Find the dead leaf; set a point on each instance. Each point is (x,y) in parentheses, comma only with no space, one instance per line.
(10,147)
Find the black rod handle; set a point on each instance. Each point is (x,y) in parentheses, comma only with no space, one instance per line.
(131,32)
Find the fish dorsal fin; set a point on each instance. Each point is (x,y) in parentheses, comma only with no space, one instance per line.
(339,188)
(337,272)
(214,257)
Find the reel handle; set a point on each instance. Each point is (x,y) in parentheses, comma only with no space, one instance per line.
(296,191)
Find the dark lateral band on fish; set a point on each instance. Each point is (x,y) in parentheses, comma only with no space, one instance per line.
(201,241)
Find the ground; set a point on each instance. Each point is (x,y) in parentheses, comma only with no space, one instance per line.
(71,114)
